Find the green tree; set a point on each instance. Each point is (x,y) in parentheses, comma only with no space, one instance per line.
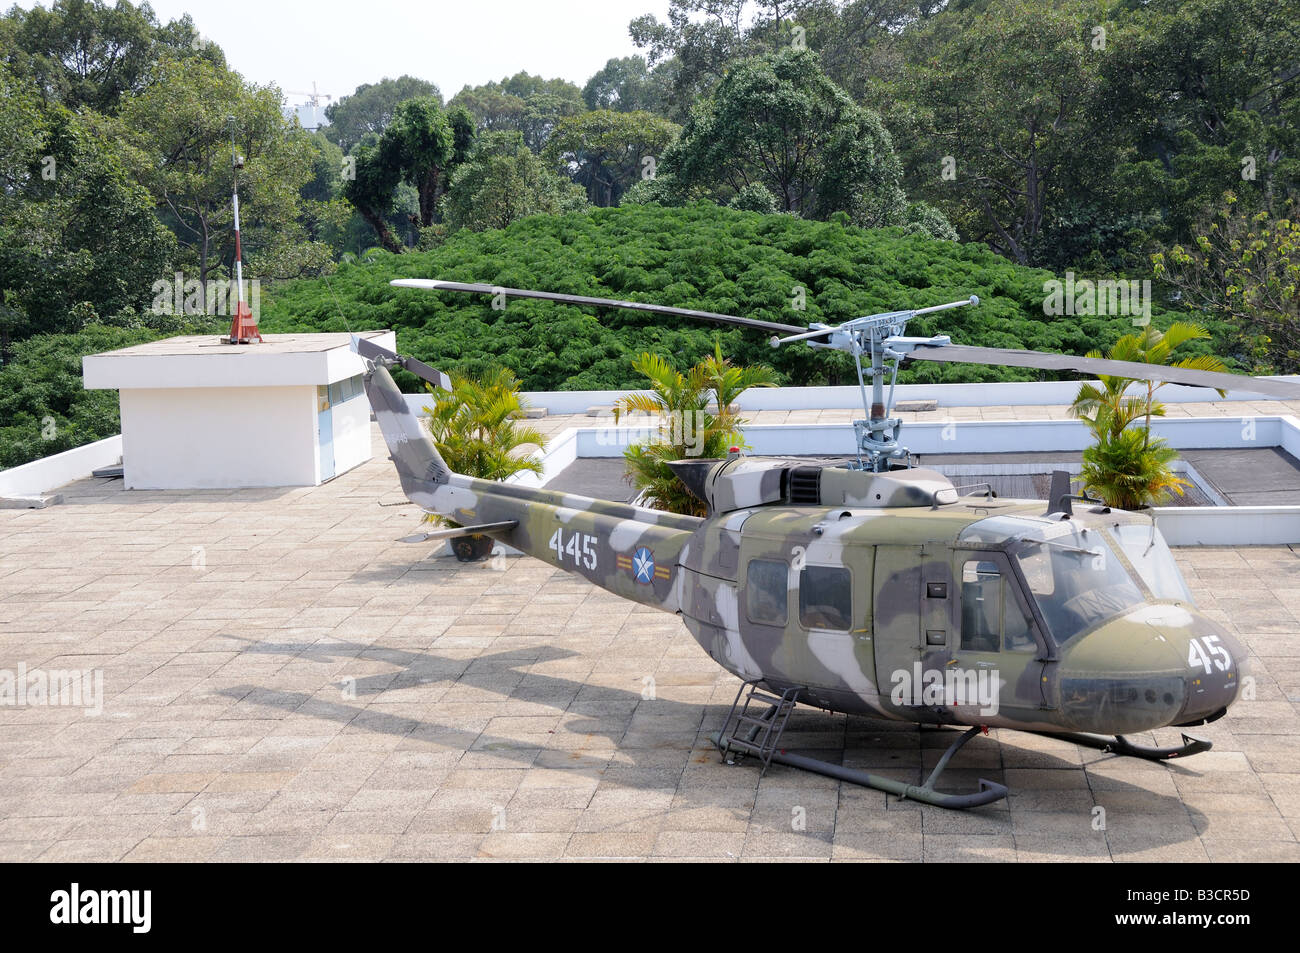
(179,135)
(503,182)
(89,53)
(625,85)
(1131,470)
(421,146)
(529,105)
(1245,269)
(999,116)
(1206,93)
(696,416)
(777,121)
(370,108)
(607,152)
(1126,465)
(78,238)
(476,428)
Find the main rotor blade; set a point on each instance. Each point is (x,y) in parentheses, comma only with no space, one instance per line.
(432,284)
(996,356)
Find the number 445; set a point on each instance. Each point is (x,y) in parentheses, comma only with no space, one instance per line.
(580,546)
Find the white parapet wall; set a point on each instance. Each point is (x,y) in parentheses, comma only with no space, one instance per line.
(1021,394)
(1229,525)
(49,473)
(974,436)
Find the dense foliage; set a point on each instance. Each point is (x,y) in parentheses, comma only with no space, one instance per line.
(704,257)
(43,407)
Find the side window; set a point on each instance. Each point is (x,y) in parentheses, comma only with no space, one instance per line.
(981,606)
(767,582)
(825,598)
(990,615)
(1016,636)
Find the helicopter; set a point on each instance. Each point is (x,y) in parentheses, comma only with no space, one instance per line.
(870,586)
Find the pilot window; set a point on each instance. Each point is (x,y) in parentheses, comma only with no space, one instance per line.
(825,598)
(990,615)
(766,585)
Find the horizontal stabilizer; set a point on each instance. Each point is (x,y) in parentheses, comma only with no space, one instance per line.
(456,532)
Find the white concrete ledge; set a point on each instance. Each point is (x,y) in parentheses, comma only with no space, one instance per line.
(40,476)
(1229,525)
(1043,393)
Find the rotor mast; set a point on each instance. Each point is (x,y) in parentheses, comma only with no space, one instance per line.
(880,336)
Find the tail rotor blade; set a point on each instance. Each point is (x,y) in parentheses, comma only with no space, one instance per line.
(373,352)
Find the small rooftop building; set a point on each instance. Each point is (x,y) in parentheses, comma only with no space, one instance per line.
(197,413)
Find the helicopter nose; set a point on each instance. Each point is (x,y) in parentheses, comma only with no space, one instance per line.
(1214,661)
(1156,666)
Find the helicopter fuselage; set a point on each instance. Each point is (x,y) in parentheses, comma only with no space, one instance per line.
(879,594)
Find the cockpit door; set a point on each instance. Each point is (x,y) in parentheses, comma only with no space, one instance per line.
(997,660)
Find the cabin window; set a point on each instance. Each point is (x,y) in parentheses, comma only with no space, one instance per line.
(990,615)
(825,598)
(767,582)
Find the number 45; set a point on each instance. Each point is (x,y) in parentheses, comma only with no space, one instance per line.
(1201,651)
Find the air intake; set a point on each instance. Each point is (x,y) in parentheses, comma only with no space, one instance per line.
(805,486)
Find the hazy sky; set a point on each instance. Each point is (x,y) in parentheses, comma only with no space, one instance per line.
(340,44)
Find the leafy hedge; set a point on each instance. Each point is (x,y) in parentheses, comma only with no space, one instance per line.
(43,407)
(703,256)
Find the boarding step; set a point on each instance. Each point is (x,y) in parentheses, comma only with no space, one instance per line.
(757,732)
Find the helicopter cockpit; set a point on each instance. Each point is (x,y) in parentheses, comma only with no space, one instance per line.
(1084,570)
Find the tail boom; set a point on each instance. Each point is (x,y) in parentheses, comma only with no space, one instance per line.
(628,550)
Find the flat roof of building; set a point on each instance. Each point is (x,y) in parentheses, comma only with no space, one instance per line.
(207,344)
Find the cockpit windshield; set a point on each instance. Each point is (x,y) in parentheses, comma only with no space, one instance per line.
(1076,582)
(1147,550)
(1073,574)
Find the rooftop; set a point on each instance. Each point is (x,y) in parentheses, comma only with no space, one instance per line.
(284,681)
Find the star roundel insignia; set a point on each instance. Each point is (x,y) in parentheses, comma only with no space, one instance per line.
(643,565)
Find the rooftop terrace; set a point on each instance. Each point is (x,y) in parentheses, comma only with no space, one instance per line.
(282,681)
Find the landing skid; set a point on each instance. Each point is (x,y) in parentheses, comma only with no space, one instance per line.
(1122,746)
(989,791)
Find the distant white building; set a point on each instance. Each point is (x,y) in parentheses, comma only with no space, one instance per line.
(310,116)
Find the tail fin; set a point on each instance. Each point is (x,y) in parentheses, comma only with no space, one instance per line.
(418,462)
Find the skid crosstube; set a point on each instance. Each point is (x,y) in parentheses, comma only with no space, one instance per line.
(762,734)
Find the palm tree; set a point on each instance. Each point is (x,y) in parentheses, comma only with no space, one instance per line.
(1129,468)
(475,428)
(686,426)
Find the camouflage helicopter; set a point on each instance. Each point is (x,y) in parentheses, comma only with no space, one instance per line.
(869,586)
